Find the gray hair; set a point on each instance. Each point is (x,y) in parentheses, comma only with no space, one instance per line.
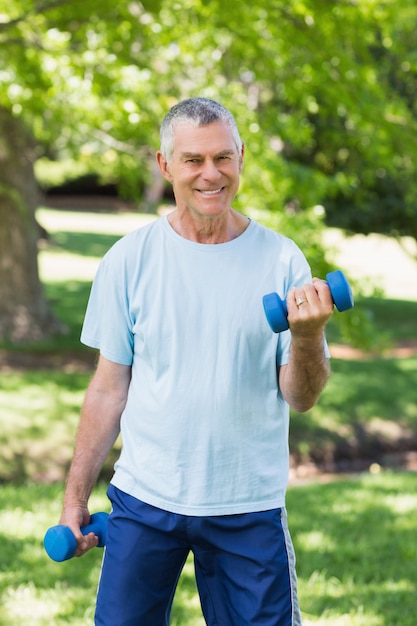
(197,112)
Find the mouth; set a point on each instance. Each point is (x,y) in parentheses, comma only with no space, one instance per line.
(210,192)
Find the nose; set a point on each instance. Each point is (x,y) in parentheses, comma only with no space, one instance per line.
(210,170)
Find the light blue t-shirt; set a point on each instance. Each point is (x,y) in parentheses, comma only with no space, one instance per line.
(205,428)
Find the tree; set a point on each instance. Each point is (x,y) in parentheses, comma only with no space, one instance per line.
(384,202)
(320,113)
(23,310)
(58,59)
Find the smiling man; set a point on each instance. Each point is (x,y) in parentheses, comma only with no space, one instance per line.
(200,388)
(204,168)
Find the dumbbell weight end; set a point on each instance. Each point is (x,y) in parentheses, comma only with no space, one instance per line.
(341,291)
(60,543)
(276,312)
(276,309)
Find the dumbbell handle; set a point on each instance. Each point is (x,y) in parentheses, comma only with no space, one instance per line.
(276,309)
(60,543)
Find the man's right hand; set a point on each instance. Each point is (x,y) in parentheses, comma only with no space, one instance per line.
(75,517)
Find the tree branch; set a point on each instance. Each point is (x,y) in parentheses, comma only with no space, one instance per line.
(120,146)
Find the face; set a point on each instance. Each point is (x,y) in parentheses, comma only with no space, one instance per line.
(204,169)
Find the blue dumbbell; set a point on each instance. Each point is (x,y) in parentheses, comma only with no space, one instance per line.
(276,309)
(60,543)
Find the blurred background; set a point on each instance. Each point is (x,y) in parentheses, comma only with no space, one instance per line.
(324,94)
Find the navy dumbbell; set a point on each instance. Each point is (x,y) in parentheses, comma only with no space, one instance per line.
(276,309)
(60,543)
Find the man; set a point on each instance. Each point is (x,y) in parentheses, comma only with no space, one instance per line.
(200,387)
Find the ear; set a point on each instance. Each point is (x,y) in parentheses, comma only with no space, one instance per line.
(163,166)
(242,153)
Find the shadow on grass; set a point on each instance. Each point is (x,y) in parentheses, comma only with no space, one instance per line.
(69,301)
(368,410)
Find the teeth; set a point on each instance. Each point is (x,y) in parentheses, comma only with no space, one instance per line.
(210,192)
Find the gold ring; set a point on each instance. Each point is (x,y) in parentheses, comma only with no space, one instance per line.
(300,301)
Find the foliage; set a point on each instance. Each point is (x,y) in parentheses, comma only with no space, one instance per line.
(69,73)
(323,93)
(344,533)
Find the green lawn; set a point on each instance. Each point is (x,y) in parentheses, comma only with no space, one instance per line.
(355,538)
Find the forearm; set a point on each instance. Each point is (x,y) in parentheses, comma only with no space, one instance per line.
(97,433)
(99,427)
(304,377)
(98,430)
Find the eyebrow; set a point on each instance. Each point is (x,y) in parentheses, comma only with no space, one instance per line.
(197,155)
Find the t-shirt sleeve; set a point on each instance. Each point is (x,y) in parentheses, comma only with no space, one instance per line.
(107,323)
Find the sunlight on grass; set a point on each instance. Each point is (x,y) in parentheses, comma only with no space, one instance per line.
(354,539)
(39,416)
(54,267)
(402,504)
(56,263)
(316,539)
(333,589)
(35,590)
(77,221)
(359,618)
(336,591)
(27,604)
(356,548)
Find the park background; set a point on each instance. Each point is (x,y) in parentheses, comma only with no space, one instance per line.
(324,96)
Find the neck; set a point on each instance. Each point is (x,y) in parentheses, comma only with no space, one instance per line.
(209,230)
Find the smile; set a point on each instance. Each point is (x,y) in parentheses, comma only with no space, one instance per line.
(210,192)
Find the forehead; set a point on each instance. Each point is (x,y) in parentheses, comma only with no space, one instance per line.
(211,139)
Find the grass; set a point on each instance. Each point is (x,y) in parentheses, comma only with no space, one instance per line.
(33,589)
(368,410)
(355,541)
(39,415)
(354,538)
(393,321)
(37,591)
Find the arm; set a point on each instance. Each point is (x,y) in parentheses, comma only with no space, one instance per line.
(305,375)
(98,430)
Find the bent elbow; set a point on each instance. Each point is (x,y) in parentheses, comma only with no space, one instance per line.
(302,406)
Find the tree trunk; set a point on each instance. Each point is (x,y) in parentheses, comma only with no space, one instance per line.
(24,312)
